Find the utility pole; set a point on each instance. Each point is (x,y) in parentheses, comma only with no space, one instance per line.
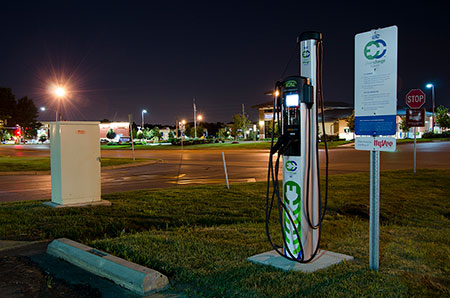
(195,118)
(243,117)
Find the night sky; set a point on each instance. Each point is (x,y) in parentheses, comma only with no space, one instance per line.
(121,57)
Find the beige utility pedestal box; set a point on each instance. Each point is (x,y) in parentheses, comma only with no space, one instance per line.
(75,164)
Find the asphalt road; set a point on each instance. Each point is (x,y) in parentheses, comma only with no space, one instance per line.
(190,167)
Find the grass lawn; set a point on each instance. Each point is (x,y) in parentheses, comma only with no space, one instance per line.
(264,145)
(201,236)
(18,164)
(423,140)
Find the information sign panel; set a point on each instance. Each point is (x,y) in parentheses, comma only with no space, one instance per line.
(415,117)
(376,82)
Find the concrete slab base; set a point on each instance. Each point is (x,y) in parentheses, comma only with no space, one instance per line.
(88,204)
(323,259)
(136,278)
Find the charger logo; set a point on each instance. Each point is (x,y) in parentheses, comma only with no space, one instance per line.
(375,49)
(291,166)
(306,53)
(291,83)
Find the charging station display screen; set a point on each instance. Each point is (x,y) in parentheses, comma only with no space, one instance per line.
(292,100)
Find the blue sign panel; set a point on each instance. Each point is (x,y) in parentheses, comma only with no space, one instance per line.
(376,125)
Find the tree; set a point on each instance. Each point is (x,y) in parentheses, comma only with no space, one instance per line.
(7,106)
(404,128)
(155,134)
(240,124)
(110,134)
(171,136)
(23,112)
(4,135)
(443,117)
(43,138)
(25,115)
(139,134)
(351,121)
(152,134)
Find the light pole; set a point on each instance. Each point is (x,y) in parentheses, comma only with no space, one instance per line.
(59,92)
(142,118)
(195,118)
(199,118)
(431,86)
(182,127)
(44,109)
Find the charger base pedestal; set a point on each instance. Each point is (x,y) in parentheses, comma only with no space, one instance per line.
(323,259)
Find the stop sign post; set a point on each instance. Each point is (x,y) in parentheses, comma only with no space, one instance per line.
(415,99)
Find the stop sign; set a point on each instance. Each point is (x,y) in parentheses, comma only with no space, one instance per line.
(415,98)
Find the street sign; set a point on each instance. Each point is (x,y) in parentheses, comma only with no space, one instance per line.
(415,99)
(415,117)
(376,82)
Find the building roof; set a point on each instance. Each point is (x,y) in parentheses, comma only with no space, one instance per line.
(332,115)
(329,105)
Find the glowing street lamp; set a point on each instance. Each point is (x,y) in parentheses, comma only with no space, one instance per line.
(59,92)
(143,112)
(431,86)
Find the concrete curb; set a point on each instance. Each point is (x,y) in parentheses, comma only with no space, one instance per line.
(19,173)
(86,204)
(136,278)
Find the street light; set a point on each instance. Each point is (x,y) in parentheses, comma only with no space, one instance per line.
(195,117)
(59,92)
(261,124)
(44,109)
(431,86)
(143,112)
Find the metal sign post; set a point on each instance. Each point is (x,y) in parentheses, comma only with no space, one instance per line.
(374,233)
(375,112)
(414,168)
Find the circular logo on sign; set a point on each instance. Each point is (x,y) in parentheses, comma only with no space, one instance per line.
(291,166)
(375,49)
(306,53)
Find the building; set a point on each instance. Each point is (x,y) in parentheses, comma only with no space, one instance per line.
(121,129)
(335,123)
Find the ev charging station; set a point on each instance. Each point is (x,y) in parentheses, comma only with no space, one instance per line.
(296,107)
